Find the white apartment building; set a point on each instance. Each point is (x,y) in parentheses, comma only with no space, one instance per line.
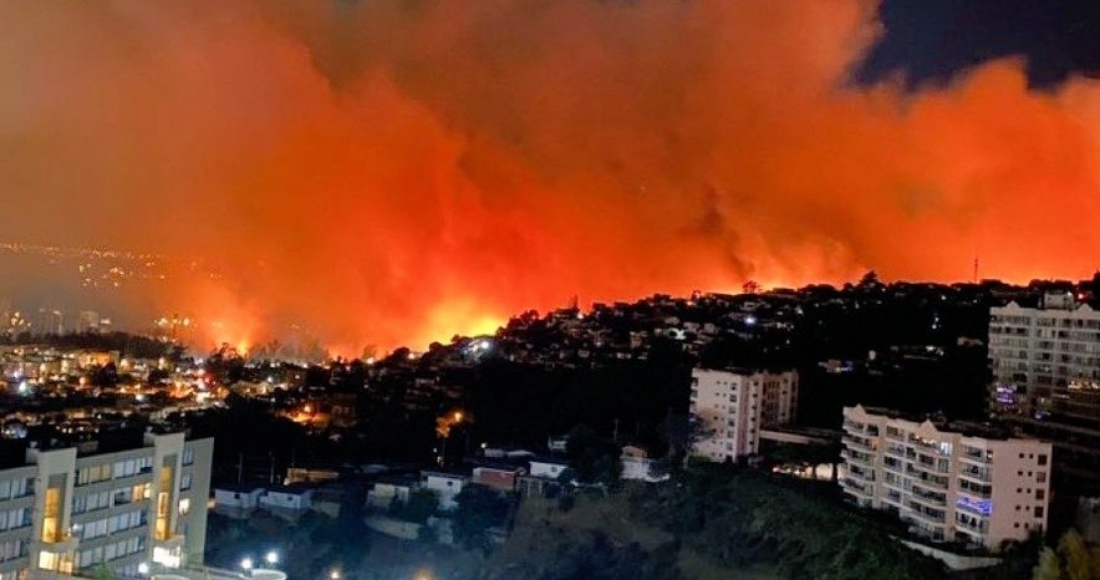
(947,482)
(67,513)
(731,407)
(1046,361)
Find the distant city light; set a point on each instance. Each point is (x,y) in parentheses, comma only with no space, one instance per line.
(272,557)
(246,564)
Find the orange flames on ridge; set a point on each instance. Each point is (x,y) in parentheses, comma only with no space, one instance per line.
(388,173)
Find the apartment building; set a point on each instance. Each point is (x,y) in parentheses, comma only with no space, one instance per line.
(948,482)
(1046,380)
(70,510)
(1046,361)
(732,406)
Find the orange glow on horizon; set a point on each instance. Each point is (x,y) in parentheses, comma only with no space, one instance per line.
(384,176)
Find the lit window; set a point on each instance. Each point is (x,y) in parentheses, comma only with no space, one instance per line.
(185,506)
(47,560)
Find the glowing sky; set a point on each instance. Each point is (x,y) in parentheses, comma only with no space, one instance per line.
(397,171)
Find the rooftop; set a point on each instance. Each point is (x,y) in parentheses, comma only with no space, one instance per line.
(942,423)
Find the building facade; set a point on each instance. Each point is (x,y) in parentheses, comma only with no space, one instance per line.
(67,513)
(731,407)
(1046,380)
(948,482)
(1046,361)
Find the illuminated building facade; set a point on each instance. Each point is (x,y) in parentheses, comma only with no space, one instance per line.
(731,407)
(1046,361)
(67,513)
(947,482)
(1046,380)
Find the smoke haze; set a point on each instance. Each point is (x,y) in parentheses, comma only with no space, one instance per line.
(396,171)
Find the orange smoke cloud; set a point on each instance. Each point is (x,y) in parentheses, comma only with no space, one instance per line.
(389,172)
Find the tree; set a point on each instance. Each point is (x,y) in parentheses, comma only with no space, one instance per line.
(1075,556)
(596,460)
(102,572)
(480,508)
(1049,567)
(421,505)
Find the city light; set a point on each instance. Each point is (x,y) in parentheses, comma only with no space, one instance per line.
(334,574)
(246,564)
(272,558)
(143,568)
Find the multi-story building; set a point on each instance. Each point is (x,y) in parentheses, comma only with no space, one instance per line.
(732,406)
(1046,378)
(70,510)
(948,482)
(1046,360)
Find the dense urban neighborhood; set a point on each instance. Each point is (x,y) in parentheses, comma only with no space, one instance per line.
(953,424)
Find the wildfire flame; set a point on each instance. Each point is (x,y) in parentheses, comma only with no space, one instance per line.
(392,173)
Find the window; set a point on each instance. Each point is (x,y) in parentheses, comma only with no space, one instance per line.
(1040,494)
(47,560)
(22,487)
(1042,459)
(185,506)
(142,491)
(1041,477)
(51,521)
(12,550)
(127,468)
(93,474)
(188,455)
(94,529)
(1039,512)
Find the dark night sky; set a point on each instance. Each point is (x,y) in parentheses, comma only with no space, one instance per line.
(931,41)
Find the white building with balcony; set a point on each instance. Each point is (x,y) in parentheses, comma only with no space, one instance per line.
(948,482)
(732,406)
(67,513)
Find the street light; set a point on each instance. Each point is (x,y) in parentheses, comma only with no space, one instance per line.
(246,565)
(271,558)
(334,574)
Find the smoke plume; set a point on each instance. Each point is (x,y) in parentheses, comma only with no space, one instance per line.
(395,171)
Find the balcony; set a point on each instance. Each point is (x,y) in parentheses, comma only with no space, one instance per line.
(856,456)
(979,475)
(855,487)
(927,479)
(937,500)
(862,474)
(895,450)
(923,514)
(857,443)
(974,460)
